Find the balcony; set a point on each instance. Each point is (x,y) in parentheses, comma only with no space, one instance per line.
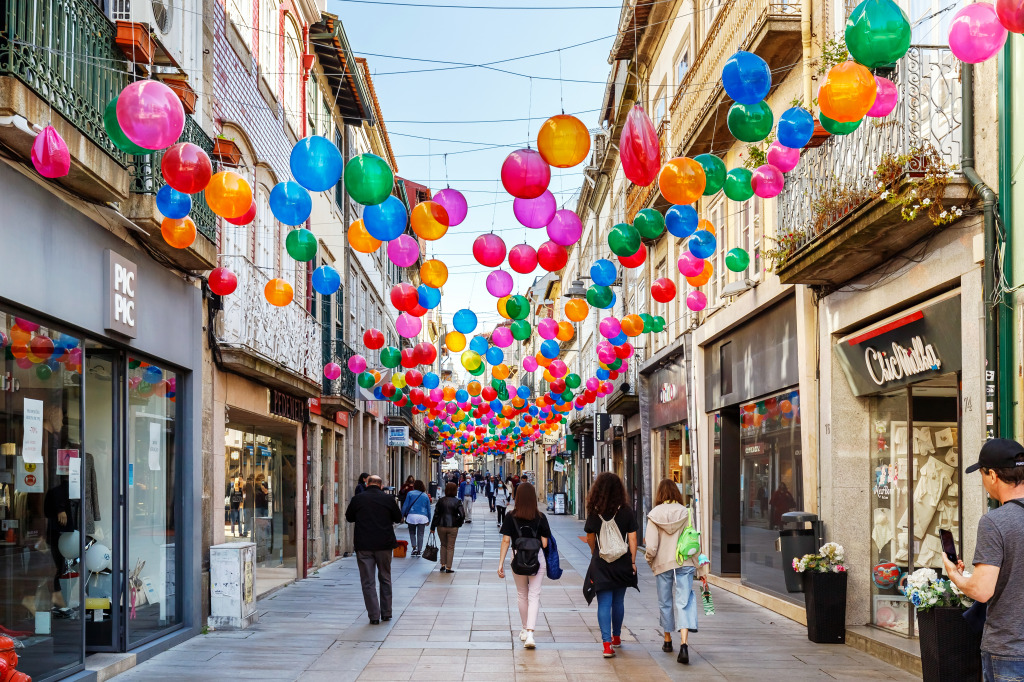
(769,29)
(279,347)
(834,222)
(339,394)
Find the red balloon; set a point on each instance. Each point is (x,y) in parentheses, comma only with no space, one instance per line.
(489,250)
(523,258)
(388,390)
(558,386)
(639,149)
(489,394)
(42,347)
(222,281)
(624,351)
(408,361)
(416,395)
(636,260)
(663,290)
(552,256)
(414,378)
(417,310)
(246,217)
(186,167)
(404,296)
(425,352)
(373,339)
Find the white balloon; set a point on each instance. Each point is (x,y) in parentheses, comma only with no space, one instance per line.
(97,558)
(69,545)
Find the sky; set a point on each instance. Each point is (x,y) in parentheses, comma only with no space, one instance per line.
(391,37)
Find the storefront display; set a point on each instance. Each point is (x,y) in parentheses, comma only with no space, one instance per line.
(670,436)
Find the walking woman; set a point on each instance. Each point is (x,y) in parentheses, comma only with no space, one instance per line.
(448,518)
(416,511)
(527,521)
(606,504)
(676,598)
(500,499)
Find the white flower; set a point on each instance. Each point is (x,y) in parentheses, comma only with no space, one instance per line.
(926,201)
(885,194)
(880,184)
(943,214)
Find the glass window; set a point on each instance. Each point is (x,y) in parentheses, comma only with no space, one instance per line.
(270,33)
(749,223)
(292,77)
(240,12)
(716,492)
(265,235)
(676,458)
(682,66)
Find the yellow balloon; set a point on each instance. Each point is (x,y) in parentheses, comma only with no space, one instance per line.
(455,341)
(434,273)
(473,388)
(501,307)
(563,141)
(471,360)
(398,379)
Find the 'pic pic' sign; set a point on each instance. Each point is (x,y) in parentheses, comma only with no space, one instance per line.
(121,285)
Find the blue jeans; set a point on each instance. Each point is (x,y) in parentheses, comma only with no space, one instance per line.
(611,608)
(416,536)
(676,599)
(1002,668)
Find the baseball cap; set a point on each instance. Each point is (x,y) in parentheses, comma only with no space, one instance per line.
(998,453)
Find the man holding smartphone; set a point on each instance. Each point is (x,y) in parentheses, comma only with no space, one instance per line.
(998,577)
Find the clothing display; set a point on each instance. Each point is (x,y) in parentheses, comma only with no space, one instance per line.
(881,530)
(933,478)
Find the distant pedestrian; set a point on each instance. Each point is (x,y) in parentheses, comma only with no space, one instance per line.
(361,485)
(500,500)
(404,490)
(448,518)
(467,493)
(676,598)
(489,487)
(416,511)
(527,531)
(374,513)
(235,501)
(611,533)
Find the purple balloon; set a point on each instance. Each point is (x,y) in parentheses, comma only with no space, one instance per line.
(535,213)
(455,203)
(403,251)
(565,228)
(502,337)
(499,283)
(609,327)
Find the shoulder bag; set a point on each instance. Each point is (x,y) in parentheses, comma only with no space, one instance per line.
(430,551)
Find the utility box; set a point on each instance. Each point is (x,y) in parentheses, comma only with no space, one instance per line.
(233,586)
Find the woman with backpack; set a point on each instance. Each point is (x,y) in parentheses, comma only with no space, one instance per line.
(526,530)
(611,533)
(416,510)
(448,518)
(667,523)
(500,499)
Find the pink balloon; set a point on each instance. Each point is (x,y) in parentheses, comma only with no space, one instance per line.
(690,265)
(1011,14)
(610,327)
(476,400)
(454,202)
(356,364)
(639,148)
(50,154)
(499,283)
(696,301)
(593,383)
(976,33)
(767,181)
(25,324)
(403,251)
(522,258)
(437,394)
(502,337)
(606,355)
(782,157)
(885,100)
(150,114)
(558,369)
(408,326)
(547,328)
(489,250)
(524,174)
(530,363)
(565,228)
(535,213)
(451,408)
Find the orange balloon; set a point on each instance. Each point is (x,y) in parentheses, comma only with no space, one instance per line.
(565,331)
(563,141)
(705,224)
(429,220)
(19,350)
(848,92)
(704,277)
(632,325)
(501,307)
(433,273)
(473,388)
(548,377)
(542,361)
(455,341)
(19,335)
(541,401)
(682,180)
(178,233)
(361,240)
(576,309)
(228,194)
(278,292)
(449,392)
(500,371)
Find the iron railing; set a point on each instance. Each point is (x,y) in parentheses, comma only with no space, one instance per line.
(344,386)
(834,180)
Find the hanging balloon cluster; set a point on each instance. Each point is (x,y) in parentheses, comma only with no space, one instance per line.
(776,412)
(30,346)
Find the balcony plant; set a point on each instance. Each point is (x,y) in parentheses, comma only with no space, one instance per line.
(824,576)
(950,648)
(226,151)
(916,182)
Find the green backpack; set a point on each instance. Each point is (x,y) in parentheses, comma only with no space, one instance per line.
(688,544)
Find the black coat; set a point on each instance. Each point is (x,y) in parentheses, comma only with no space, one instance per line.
(448,513)
(602,575)
(374,512)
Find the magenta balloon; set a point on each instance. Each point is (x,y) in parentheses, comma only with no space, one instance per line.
(502,337)
(408,326)
(403,251)
(452,408)
(565,228)
(437,394)
(885,100)
(150,114)
(524,174)
(975,34)
(476,400)
(690,265)
(455,203)
(609,327)
(1011,14)
(696,301)
(558,369)
(535,213)
(767,181)
(332,370)
(782,157)
(530,363)
(593,384)
(606,355)
(547,328)
(499,283)
(523,258)
(489,250)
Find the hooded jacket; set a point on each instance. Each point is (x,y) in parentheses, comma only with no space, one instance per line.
(664,525)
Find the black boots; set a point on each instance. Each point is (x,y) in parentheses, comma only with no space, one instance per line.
(684,654)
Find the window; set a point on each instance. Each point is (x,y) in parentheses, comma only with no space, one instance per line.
(240,13)
(749,220)
(659,107)
(313,107)
(682,66)
(270,32)
(266,232)
(292,78)
(719,275)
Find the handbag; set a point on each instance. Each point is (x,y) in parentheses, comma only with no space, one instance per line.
(554,567)
(688,543)
(430,551)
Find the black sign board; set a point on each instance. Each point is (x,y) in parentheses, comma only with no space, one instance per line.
(604,420)
(288,406)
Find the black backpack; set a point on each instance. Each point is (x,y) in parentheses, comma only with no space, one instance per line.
(525,551)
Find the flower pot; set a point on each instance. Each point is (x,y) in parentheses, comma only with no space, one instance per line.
(226,151)
(950,649)
(818,137)
(134,40)
(183,90)
(825,598)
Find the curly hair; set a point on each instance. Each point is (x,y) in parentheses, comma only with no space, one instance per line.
(606,495)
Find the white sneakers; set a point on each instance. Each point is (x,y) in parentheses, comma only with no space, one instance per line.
(522,635)
(530,644)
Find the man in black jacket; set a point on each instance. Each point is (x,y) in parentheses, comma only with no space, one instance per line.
(374,512)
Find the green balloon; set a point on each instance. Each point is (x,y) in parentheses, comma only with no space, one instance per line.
(503,393)
(877,33)
(737,259)
(737,184)
(390,357)
(648,322)
(301,244)
(714,172)
(649,223)
(567,395)
(624,240)
(836,127)
(600,296)
(518,307)
(521,330)
(615,364)
(366,380)
(479,370)
(659,324)
(750,122)
(116,135)
(368,179)
(573,380)
(496,384)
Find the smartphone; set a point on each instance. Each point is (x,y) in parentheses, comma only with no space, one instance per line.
(948,546)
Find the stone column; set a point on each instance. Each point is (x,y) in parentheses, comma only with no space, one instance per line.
(315,474)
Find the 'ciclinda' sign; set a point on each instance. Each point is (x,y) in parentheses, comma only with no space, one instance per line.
(902,362)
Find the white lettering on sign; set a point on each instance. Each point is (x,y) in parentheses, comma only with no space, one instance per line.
(124,295)
(121,282)
(667,393)
(903,362)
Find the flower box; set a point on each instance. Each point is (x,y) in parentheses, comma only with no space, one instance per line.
(825,599)
(818,137)
(226,151)
(950,649)
(184,91)
(135,41)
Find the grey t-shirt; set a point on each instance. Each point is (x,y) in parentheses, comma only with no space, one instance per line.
(1001,543)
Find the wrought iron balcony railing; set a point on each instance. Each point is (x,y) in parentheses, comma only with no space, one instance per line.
(344,386)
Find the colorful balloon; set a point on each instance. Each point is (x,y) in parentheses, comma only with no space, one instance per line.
(408,326)
(746,78)
(454,203)
(649,223)
(750,122)
(738,184)
(373,339)
(301,244)
(455,341)
(1011,15)
(663,290)
(600,296)
(702,244)
(547,328)
(682,180)
(563,141)
(403,251)
(714,173)
(228,194)
(525,174)
(316,163)
(178,233)
(877,33)
(886,100)
(696,301)
(624,240)
(737,259)
(429,220)
(796,127)
(278,292)
(186,167)
(116,135)
(782,157)
(499,283)
(150,114)
(326,280)
(522,258)
(464,321)
(552,256)
(639,148)
(290,203)
(246,218)
(837,127)
(489,250)
(603,272)
(173,204)
(222,281)
(386,220)
(609,327)
(537,212)
(703,277)
(368,179)
(361,240)
(565,228)
(434,273)
(502,337)
(976,34)
(576,309)
(681,221)
(848,92)
(635,260)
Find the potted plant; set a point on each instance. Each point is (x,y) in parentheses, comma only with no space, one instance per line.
(824,578)
(179,84)
(135,41)
(400,548)
(950,648)
(226,151)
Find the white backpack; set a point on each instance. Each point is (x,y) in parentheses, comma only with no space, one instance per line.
(610,542)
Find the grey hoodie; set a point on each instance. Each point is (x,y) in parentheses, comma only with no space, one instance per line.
(664,524)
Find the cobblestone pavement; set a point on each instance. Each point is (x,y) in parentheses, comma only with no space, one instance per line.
(465,626)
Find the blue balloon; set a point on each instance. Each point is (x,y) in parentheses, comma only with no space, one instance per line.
(495,355)
(533,410)
(796,126)
(429,297)
(550,349)
(431,380)
(618,339)
(478,344)
(746,78)
(681,220)
(464,320)
(611,304)
(603,272)
(462,396)
(496,405)
(702,244)
(152,375)
(326,280)
(316,163)
(173,204)
(523,392)
(378,393)
(387,220)
(290,203)
(602,374)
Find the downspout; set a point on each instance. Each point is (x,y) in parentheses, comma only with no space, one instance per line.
(805,38)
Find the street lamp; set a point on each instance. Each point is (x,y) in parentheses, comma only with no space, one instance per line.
(576,290)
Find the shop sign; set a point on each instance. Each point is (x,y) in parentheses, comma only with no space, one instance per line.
(753,449)
(288,406)
(559,465)
(398,436)
(667,394)
(8,384)
(120,284)
(549,440)
(416,445)
(314,405)
(341,419)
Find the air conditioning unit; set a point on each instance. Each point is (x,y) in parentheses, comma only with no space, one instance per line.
(176,24)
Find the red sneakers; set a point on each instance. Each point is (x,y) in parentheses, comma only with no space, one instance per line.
(616,641)
(608,651)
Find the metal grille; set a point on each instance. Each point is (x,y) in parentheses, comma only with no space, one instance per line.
(344,386)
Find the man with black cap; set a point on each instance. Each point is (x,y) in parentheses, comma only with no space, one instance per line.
(998,577)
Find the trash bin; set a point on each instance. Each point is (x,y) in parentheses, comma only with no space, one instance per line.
(433,490)
(799,536)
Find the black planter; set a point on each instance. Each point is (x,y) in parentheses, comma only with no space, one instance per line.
(825,598)
(950,649)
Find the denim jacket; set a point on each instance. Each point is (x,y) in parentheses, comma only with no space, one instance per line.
(416,502)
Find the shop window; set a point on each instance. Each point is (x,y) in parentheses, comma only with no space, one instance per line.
(725,364)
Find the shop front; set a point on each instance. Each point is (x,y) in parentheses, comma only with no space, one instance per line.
(671,451)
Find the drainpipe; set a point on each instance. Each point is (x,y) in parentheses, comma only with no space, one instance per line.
(989,199)
(805,37)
